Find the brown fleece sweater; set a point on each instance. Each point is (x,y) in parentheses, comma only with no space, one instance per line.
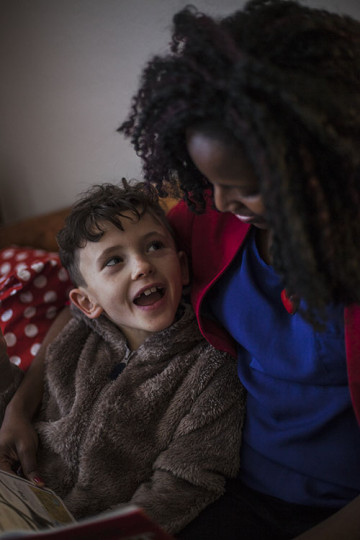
(162,432)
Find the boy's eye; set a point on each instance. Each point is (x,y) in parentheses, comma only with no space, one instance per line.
(155,245)
(113,261)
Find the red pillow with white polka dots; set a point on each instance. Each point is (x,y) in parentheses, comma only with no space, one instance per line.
(34,287)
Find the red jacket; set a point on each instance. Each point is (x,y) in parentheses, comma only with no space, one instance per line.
(211,240)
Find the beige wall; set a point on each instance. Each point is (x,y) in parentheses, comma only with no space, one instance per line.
(68,71)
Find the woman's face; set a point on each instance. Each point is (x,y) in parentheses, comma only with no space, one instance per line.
(227,168)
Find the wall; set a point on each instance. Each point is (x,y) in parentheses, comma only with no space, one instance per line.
(68,71)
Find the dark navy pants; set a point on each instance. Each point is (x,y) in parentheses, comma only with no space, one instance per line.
(243,513)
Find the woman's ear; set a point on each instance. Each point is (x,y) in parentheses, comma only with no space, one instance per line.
(184,265)
(81,300)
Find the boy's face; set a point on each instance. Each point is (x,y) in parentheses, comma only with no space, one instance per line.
(134,276)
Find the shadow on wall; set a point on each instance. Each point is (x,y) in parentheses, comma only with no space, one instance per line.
(17,201)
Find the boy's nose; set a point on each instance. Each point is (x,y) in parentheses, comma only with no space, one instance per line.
(141,267)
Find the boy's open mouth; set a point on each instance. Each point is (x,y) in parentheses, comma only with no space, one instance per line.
(149,296)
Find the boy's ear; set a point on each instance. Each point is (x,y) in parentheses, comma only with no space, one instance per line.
(81,300)
(184,265)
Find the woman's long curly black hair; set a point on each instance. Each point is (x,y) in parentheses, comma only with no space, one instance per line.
(284,80)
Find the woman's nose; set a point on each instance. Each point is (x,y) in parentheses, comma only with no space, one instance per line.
(141,267)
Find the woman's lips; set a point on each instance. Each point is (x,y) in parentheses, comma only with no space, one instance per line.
(246,219)
(253,219)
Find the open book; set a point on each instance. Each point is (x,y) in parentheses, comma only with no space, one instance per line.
(27,511)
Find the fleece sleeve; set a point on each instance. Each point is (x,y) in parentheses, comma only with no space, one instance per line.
(205,449)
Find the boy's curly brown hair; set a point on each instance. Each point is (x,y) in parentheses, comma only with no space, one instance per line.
(101,204)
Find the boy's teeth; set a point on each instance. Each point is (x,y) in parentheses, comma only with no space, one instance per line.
(149,291)
(149,296)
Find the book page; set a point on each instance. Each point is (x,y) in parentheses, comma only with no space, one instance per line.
(24,506)
(38,513)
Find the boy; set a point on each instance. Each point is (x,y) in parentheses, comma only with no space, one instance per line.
(137,405)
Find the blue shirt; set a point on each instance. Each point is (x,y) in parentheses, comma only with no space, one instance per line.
(301,441)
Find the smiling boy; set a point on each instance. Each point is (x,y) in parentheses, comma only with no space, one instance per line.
(134,275)
(137,407)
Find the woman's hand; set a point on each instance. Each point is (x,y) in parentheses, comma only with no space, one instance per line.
(18,445)
(18,439)
(343,525)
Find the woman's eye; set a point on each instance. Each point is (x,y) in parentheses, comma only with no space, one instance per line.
(251,195)
(247,193)
(155,245)
(113,261)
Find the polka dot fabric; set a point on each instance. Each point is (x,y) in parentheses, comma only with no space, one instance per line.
(34,287)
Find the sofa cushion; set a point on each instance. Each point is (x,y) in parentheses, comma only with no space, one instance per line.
(33,289)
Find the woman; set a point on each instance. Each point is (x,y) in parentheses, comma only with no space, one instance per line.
(262,110)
